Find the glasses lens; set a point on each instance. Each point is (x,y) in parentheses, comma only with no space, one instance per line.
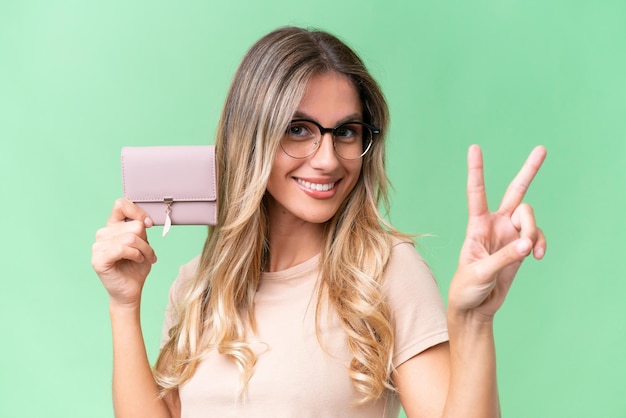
(352,140)
(301,139)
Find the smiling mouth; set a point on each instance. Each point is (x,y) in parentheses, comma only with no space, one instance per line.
(316,186)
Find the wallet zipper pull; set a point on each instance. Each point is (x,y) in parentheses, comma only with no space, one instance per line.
(168,220)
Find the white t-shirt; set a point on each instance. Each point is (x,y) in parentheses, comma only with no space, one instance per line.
(295,376)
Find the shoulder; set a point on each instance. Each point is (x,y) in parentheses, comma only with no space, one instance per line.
(404,259)
(184,280)
(189,269)
(408,282)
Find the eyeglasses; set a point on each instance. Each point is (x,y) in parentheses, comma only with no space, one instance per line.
(351,140)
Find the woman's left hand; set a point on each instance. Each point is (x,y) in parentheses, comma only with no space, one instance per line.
(496,243)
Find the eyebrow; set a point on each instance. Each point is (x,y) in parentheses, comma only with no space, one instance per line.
(355,117)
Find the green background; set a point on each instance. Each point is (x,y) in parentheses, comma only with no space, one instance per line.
(80,79)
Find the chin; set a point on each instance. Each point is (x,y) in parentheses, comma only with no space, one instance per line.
(317,219)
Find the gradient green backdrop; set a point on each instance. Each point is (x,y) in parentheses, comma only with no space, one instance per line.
(80,79)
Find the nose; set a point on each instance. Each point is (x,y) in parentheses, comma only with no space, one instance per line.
(324,157)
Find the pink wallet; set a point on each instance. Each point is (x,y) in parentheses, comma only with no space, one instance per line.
(175,185)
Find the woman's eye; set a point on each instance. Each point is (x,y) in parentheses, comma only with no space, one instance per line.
(344,132)
(299,131)
(347,132)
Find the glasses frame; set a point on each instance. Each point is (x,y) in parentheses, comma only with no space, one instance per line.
(323,131)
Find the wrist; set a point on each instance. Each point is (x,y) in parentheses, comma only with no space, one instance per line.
(469,321)
(124,307)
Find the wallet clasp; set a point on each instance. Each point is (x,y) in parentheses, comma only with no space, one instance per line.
(168,210)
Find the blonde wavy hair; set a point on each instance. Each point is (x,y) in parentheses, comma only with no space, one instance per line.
(218,307)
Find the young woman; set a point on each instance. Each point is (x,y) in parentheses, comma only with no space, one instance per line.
(304,302)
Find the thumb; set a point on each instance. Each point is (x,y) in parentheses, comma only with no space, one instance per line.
(515,252)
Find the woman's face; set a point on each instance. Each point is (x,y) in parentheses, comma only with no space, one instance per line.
(312,189)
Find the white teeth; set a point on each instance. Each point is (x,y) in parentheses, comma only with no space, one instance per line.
(316,186)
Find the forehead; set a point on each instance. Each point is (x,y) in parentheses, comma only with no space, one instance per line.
(330,98)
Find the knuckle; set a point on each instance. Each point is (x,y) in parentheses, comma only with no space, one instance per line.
(101,233)
(520,187)
(527,208)
(115,252)
(135,227)
(119,203)
(482,271)
(127,239)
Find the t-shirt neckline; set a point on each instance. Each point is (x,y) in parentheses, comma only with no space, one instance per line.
(293,271)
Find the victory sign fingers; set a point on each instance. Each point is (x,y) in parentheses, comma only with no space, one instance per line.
(519,186)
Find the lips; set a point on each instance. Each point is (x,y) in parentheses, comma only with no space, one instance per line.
(319,187)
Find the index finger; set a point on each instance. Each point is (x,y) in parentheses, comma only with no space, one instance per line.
(124,209)
(517,189)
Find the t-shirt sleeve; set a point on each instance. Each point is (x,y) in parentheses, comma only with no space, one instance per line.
(177,290)
(417,308)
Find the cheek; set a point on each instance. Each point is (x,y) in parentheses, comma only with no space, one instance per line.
(281,168)
(282,164)
(350,181)
(354,168)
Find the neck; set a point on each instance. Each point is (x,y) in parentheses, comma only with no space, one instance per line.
(292,241)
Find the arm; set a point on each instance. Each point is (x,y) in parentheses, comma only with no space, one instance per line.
(455,379)
(459,379)
(135,393)
(122,258)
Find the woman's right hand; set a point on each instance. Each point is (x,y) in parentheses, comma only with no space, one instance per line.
(121,255)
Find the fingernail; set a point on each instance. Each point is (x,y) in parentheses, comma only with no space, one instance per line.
(148,222)
(539,253)
(523,246)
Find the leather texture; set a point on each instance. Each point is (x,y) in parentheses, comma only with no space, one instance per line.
(182,176)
